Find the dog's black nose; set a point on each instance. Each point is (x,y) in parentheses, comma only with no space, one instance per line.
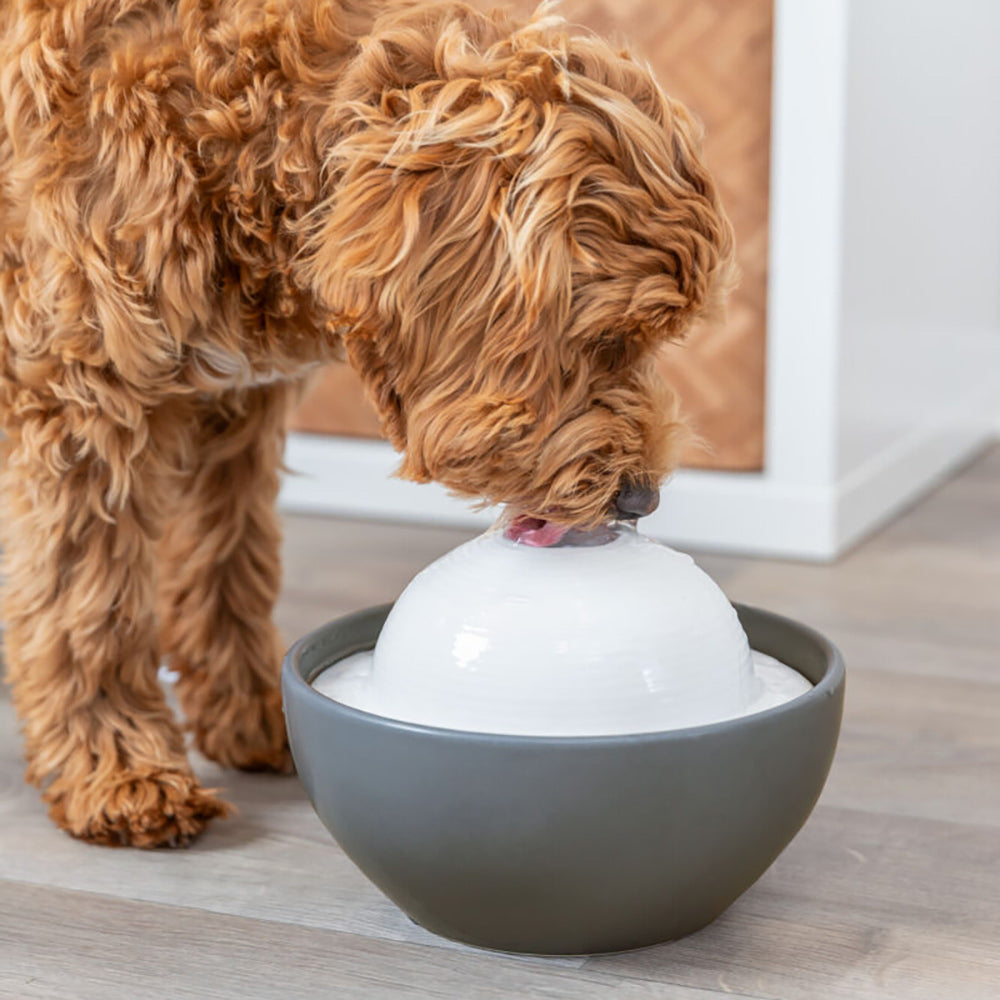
(634,500)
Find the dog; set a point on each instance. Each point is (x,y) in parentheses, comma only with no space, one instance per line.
(495,222)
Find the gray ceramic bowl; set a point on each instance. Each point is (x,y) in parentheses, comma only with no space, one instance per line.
(564,845)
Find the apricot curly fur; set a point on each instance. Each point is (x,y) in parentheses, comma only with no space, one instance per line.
(495,222)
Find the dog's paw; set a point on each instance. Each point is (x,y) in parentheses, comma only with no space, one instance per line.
(248,734)
(161,808)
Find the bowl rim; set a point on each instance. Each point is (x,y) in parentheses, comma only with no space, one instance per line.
(832,681)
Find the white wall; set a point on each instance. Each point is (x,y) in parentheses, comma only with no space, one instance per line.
(919,342)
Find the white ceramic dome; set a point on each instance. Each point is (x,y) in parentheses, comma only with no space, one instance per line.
(497,636)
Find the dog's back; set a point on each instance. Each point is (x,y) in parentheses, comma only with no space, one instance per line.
(54,59)
(152,156)
(88,168)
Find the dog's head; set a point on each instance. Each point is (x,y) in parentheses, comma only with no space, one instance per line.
(518,218)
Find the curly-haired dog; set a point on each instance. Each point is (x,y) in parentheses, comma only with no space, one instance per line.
(200,200)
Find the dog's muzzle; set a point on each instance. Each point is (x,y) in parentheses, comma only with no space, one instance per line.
(635,501)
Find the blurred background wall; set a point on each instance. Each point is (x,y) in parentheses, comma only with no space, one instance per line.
(919,331)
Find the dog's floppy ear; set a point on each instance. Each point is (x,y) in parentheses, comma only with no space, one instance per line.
(431,123)
(650,190)
(465,442)
(442,247)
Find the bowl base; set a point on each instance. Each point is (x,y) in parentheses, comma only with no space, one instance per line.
(540,951)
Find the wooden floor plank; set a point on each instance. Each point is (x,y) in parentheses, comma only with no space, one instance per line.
(55,943)
(891,890)
(859,906)
(919,746)
(273,861)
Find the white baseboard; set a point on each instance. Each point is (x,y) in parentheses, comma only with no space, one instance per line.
(740,512)
(878,490)
(746,513)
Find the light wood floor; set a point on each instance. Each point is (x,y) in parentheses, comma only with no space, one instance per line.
(891,890)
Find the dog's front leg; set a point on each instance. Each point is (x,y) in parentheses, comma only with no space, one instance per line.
(221,569)
(81,493)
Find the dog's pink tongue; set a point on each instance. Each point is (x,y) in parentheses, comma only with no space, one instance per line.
(535,531)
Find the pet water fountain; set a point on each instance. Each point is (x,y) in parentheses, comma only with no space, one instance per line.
(575,748)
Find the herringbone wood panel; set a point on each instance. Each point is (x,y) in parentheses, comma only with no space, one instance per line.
(715,56)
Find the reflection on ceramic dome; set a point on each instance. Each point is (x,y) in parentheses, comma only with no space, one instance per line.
(468,645)
(622,636)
